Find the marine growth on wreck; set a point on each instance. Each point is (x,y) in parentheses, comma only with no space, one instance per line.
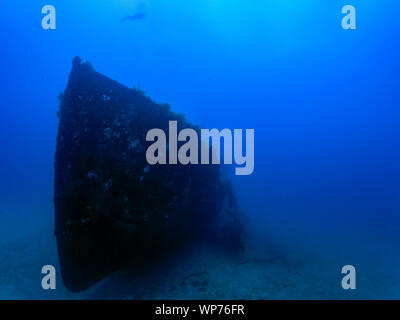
(111,206)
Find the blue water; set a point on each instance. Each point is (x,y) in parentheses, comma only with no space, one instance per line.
(324,103)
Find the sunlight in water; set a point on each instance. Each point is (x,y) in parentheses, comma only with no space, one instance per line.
(277,24)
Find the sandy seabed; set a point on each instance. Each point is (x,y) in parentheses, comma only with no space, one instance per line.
(196,272)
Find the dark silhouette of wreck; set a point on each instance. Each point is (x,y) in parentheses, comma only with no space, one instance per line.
(111,207)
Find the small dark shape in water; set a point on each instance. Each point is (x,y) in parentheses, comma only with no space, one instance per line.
(137,16)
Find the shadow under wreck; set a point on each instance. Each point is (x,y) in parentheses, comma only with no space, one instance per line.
(111,207)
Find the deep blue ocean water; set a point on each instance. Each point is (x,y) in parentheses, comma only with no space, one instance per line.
(323,101)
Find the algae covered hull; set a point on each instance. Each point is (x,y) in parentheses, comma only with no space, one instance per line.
(111,207)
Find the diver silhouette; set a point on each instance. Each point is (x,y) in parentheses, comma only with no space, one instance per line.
(140,12)
(136,16)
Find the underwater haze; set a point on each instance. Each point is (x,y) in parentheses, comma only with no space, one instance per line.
(323,102)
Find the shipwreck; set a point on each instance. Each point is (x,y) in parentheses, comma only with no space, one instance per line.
(111,206)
